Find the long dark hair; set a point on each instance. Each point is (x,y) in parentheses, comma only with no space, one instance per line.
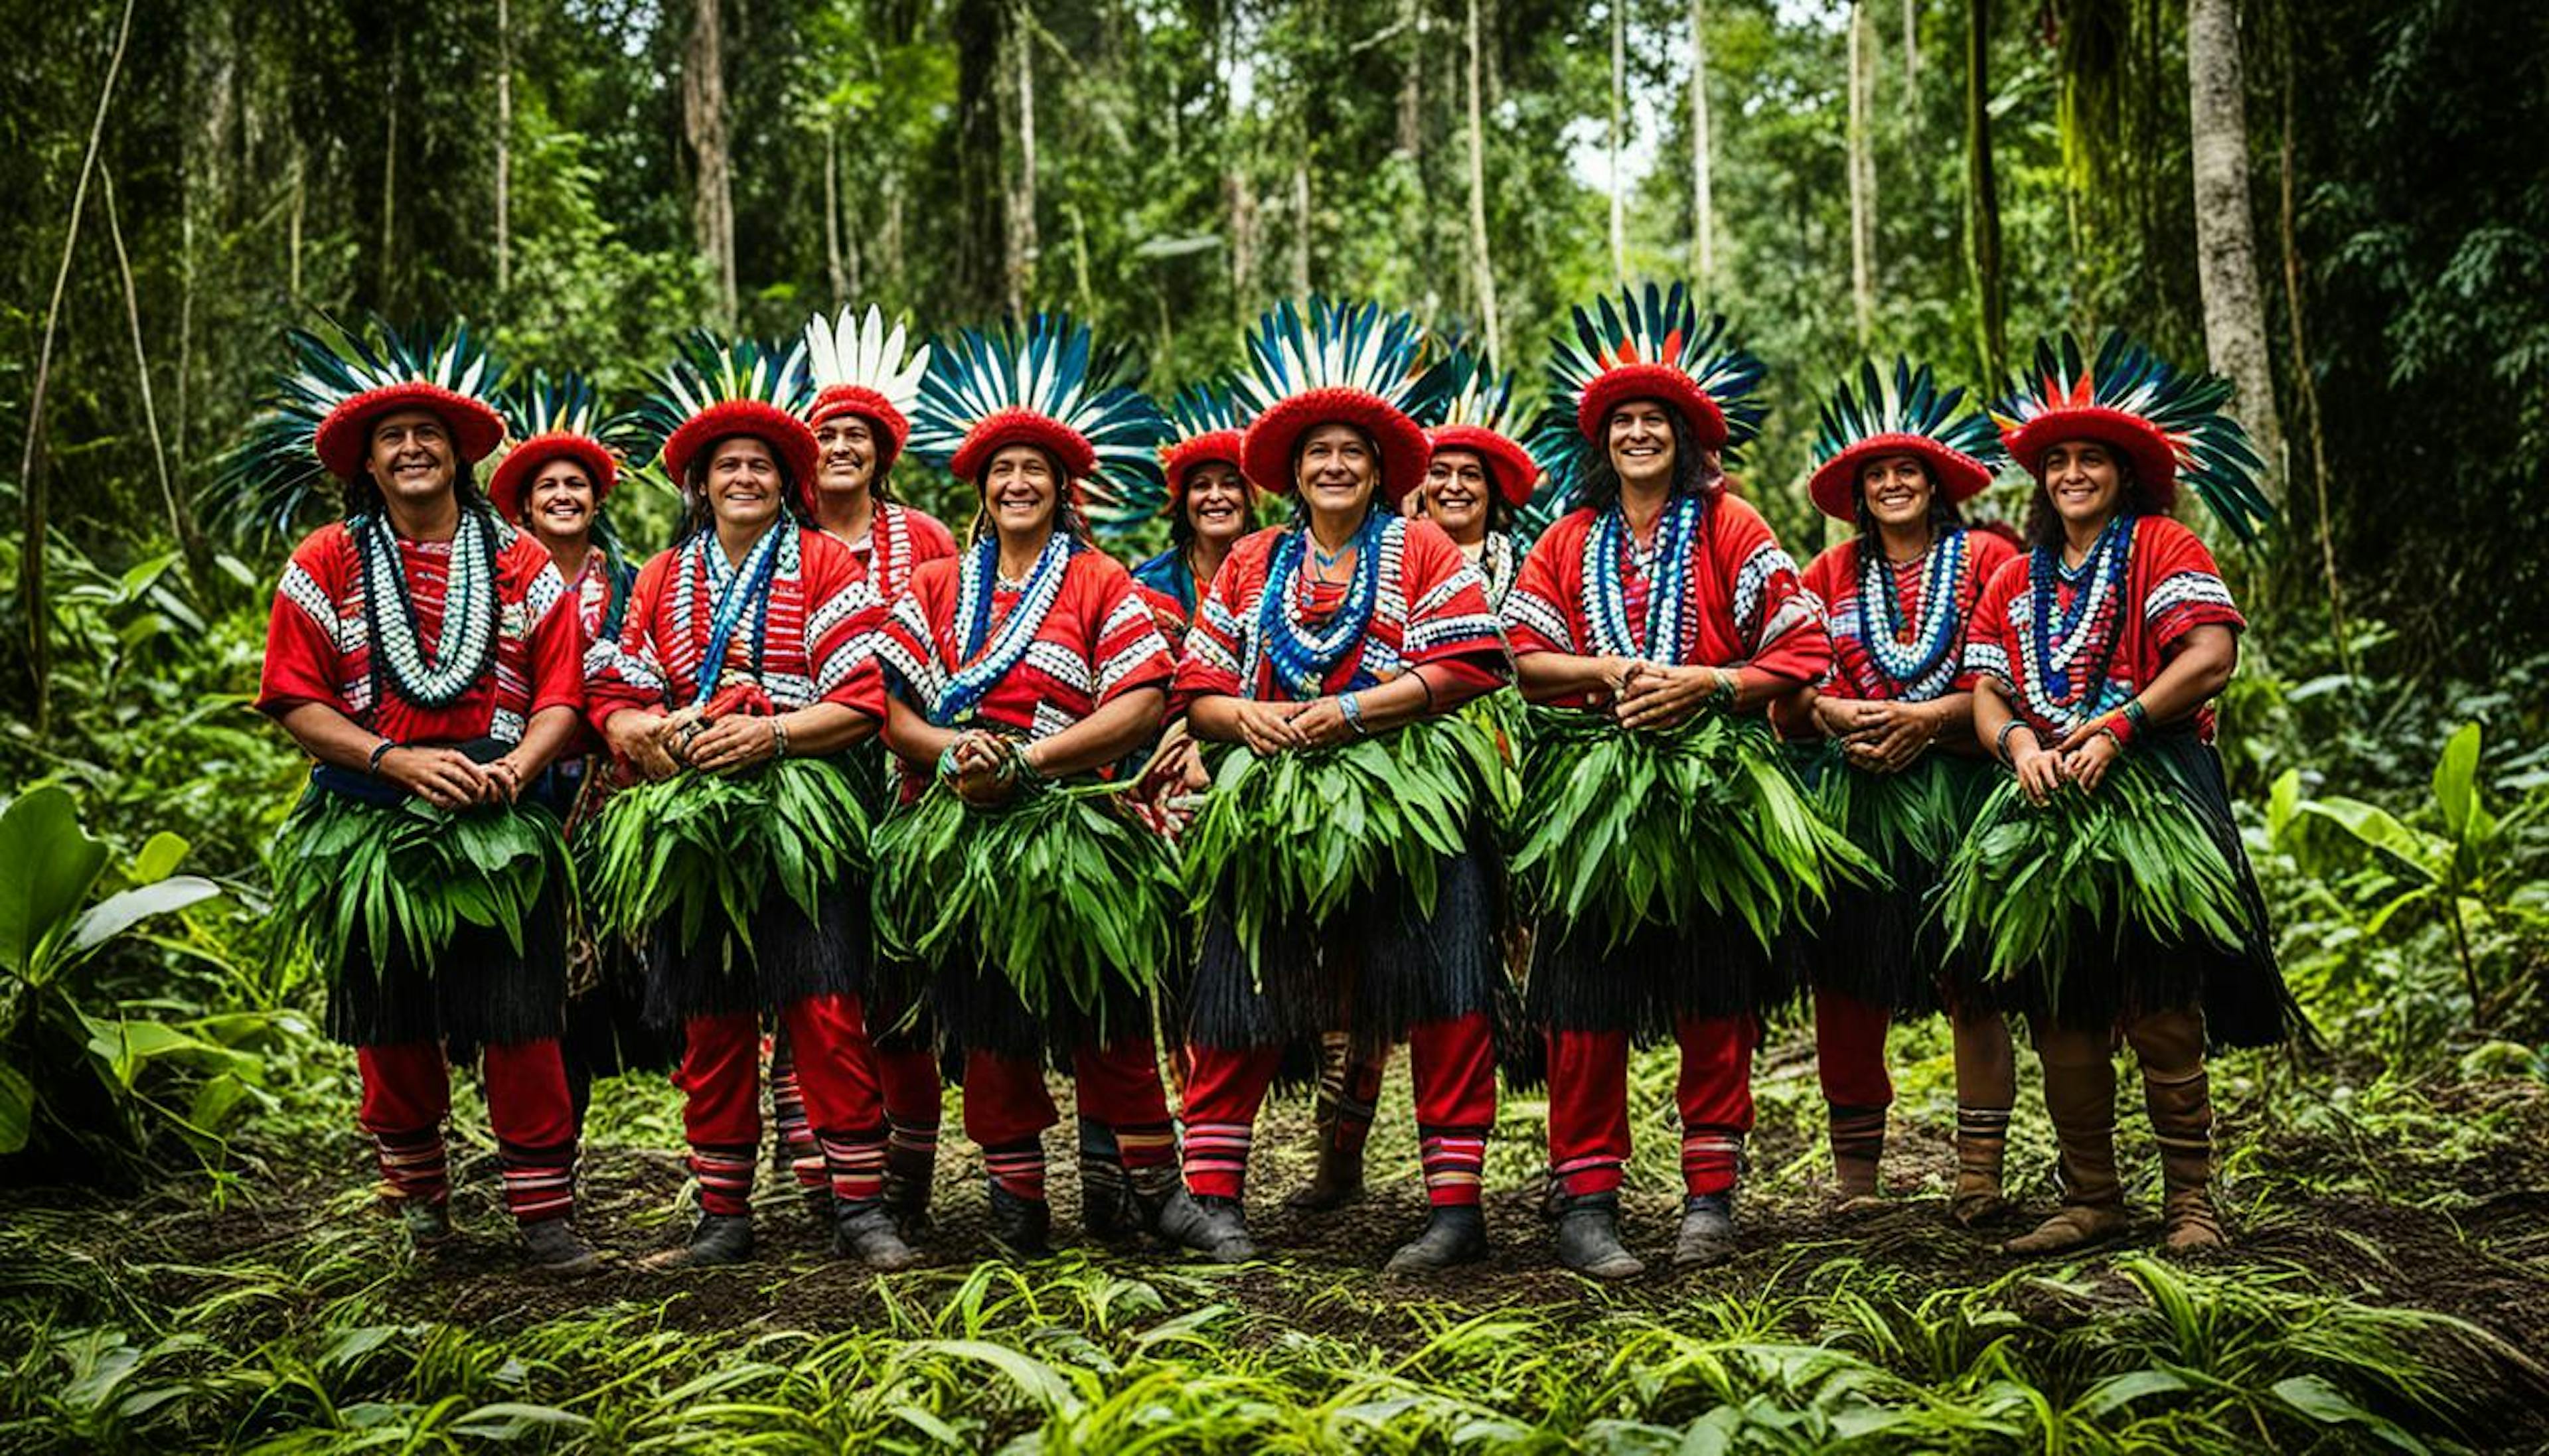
(1691,475)
(698,515)
(1943,512)
(2045,523)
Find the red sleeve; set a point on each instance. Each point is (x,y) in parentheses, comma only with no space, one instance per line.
(554,661)
(842,618)
(1780,624)
(1536,616)
(1829,575)
(1126,646)
(1449,620)
(906,637)
(630,672)
(301,657)
(930,538)
(2184,587)
(1210,667)
(1989,553)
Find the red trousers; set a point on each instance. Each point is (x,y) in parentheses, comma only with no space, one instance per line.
(836,1070)
(909,1076)
(407,1097)
(1588,1104)
(1453,1063)
(1007,1109)
(1850,1050)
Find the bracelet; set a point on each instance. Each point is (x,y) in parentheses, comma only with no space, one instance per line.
(380,751)
(1729,684)
(1026,772)
(1349,705)
(778,737)
(2000,744)
(947,771)
(2137,714)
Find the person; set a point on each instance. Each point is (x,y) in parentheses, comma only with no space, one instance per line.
(1661,598)
(1892,726)
(421,652)
(1209,502)
(552,482)
(740,660)
(863,383)
(1351,623)
(2097,656)
(1021,666)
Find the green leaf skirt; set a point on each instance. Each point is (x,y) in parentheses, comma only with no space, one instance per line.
(1031,927)
(1879,943)
(2100,908)
(429,926)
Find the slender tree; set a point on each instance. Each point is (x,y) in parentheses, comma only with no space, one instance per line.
(1982,197)
(1619,99)
(504,146)
(1863,178)
(1703,192)
(1480,253)
(2225,246)
(703,123)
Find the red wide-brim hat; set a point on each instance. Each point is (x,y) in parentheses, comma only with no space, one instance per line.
(1834,485)
(2137,439)
(344,437)
(1266,451)
(854,399)
(524,463)
(785,434)
(1001,429)
(1622,383)
(1223,445)
(1510,466)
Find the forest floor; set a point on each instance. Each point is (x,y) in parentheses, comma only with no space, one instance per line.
(2389,1284)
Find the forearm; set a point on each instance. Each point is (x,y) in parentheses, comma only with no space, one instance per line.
(1214,718)
(1101,738)
(1757,686)
(2203,666)
(1954,722)
(550,730)
(1545,676)
(911,735)
(1403,699)
(330,737)
(1991,715)
(823,728)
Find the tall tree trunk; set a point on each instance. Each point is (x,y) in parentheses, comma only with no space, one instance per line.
(833,268)
(31,464)
(2225,247)
(1022,192)
(1242,197)
(1479,255)
(1301,221)
(1619,99)
(389,177)
(1982,197)
(703,123)
(182,521)
(1703,187)
(1911,58)
(1411,84)
(503,148)
(1862,175)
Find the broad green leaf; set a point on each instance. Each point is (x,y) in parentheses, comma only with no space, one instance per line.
(2456,779)
(46,867)
(118,913)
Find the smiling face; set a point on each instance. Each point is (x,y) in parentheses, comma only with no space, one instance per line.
(846,455)
(1640,440)
(744,483)
(1895,489)
(1216,501)
(411,457)
(1456,493)
(1336,469)
(559,506)
(2085,481)
(1020,488)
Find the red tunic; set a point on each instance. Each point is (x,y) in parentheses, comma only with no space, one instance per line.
(897,541)
(2171,588)
(318,648)
(1833,578)
(817,631)
(1431,612)
(1095,643)
(1745,601)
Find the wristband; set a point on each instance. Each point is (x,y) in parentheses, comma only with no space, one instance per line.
(1729,684)
(778,738)
(380,751)
(1349,705)
(1026,772)
(2000,744)
(947,770)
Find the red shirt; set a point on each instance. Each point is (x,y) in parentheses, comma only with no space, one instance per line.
(1744,602)
(814,637)
(1833,579)
(2171,586)
(319,647)
(899,540)
(1431,610)
(1095,643)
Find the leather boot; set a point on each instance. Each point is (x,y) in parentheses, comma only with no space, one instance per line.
(1707,1234)
(1982,1146)
(717,1239)
(1106,1195)
(2178,1093)
(909,1172)
(1588,1238)
(1857,1151)
(2080,1098)
(553,1248)
(1162,1207)
(1455,1235)
(866,1232)
(1021,1227)
(428,1225)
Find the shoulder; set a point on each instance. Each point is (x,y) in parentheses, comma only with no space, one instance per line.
(1567,534)
(1991,551)
(520,559)
(824,558)
(1738,524)
(1834,564)
(1091,568)
(324,551)
(2171,546)
(1254,550)
(930,538)
(2007,579)
(1159,571)
(1421,541)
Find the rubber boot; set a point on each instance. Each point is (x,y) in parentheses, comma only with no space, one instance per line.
(1707,1233)
(553,1247)
(1021,1227)
(2178,1093)
(2080,1098)
(864,1231)
(1106,1208)
(1455,1235)
(1588,1238)
(717,1239)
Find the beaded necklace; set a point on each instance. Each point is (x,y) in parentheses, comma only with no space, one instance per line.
(1668,581)
(465,645)
(1909,654)
(977,580)
(744,589)
(1301,657)
(1499,562)
(2059,688)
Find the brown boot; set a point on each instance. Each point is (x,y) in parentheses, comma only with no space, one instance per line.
(1859,1150)
(1982,1146)
(2080,1097)
(2179,1095)
(1347,1091)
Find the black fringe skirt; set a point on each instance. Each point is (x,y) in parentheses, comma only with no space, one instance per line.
(790,959)
(1711,965)
(477,991)
(1881,944)
(976,1008)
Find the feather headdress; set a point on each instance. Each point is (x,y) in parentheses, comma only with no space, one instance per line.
(2170,424)
(1344,364)
(1049,387)
(550,419)
(1649,343)
(858,366)
(717,387)
(1916,417)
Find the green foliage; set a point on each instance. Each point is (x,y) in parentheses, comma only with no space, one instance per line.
(1625,829)
(1914,817)
(706,848)
(1057,890)
(1289,837)
(407,875)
